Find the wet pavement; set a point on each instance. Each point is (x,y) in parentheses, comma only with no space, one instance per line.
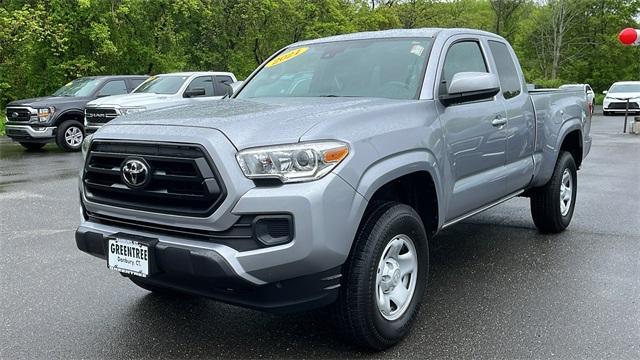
(498,288)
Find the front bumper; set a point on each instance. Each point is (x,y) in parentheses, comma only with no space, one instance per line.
(206,273)
(28,133)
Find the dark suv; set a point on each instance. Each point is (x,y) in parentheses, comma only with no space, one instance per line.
(60,117)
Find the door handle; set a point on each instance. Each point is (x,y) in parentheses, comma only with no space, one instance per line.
(499,121)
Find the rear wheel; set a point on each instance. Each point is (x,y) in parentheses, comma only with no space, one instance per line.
(32,146)
(70,135)
(385,278)
(552,205)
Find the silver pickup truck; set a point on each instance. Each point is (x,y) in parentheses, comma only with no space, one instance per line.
(321,180)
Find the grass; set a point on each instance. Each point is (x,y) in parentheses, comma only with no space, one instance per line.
(2,120)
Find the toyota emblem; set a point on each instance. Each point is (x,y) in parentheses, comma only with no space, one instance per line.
(135,173)
(14,115)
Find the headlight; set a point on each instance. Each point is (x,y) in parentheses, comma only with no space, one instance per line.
(44,114)
(85,145)
(292,163)
(131,110)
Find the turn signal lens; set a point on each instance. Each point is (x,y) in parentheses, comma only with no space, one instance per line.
(335,155)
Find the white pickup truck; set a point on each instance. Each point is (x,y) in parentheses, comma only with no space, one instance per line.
(158,92)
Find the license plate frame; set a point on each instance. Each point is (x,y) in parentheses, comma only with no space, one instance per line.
(131,255)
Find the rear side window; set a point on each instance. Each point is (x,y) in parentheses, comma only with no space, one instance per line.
(204,82)
(464,56)
(115,87)
(507,72)
(223,83)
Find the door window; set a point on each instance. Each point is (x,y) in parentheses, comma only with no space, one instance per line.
(507,72)
(463,56)
(115,87)
(136,82)
(223,85)
(203,82)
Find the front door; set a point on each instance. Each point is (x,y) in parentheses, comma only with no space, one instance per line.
(474,132)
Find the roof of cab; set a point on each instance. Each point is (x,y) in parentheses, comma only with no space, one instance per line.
(197,73)
(397,33)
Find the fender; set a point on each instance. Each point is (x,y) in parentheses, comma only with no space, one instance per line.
(397,165)
(550,154)
(66,112)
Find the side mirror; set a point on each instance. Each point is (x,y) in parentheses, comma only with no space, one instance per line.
(235,86)
(471,86)
(195,92)
(605,92)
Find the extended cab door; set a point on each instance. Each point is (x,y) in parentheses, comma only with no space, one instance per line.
(475,134)
(520,117)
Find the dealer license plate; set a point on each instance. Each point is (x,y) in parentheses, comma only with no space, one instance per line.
(128,256)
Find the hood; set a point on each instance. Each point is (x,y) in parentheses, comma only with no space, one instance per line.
(56,101)
(148,100)
(264,122)
(622,95)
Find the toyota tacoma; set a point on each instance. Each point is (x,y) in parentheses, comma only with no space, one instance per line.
(322,178)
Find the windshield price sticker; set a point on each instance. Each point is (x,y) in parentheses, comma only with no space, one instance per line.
(287,56)
(417,50)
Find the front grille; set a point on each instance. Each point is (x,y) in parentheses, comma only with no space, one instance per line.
(182,178)
(99,115)
(623,105)
(18,114)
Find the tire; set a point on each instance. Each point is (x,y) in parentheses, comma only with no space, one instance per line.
(70,135)
(156,290)
(605,113)
(356,314)
(549,214)
(32,146)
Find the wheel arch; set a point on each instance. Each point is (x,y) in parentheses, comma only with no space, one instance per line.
(572,142)
(411,178)
(70,114)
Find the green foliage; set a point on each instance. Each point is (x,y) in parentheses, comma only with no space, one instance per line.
(46,43)
(2,120)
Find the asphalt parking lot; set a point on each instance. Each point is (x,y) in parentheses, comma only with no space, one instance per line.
(498,289)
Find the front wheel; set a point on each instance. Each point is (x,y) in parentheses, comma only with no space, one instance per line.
(385,278)
(70,135)
(552,205)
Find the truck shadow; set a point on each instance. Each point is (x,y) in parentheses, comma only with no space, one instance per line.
(469,265)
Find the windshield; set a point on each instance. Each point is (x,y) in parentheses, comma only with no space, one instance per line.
(622,88)
(165,84)
(386,68)
(78,87)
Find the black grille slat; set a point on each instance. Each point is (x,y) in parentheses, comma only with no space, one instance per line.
(239,236)
(177,184)
(623,105)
